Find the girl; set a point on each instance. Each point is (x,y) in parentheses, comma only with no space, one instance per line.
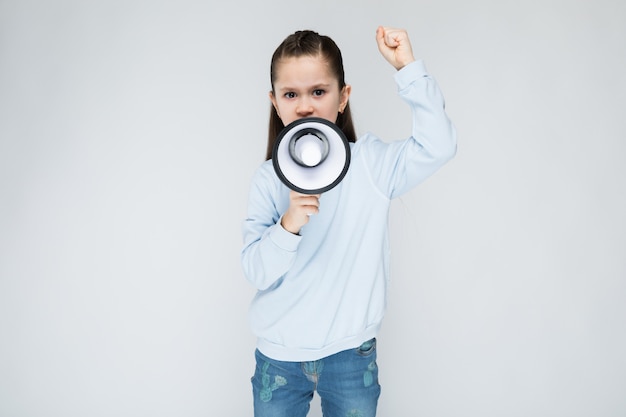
(320,262)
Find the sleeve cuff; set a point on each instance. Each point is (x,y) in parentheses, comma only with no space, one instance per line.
(409,73)
(284,239)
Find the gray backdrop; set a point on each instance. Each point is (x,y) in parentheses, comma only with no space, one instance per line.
(128,134)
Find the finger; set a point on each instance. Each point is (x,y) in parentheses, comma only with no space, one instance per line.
(311,206)
(305,204)
(385,39)
(380,38)
(308,200)
(391,37)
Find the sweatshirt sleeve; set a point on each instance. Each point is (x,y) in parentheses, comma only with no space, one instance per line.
(399,166)
(269,250)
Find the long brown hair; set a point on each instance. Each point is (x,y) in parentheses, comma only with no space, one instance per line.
(309,43)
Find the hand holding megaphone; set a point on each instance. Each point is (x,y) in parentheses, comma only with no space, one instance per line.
(311,155)
(301,208)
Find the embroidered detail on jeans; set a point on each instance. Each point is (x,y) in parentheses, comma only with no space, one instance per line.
(312,370)
(266,391)
(368,376)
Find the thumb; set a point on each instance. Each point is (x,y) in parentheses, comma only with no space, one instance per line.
(383,42)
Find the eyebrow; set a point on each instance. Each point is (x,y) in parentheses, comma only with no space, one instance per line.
(314,87)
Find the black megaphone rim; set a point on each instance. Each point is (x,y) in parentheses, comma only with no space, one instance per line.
(288,129)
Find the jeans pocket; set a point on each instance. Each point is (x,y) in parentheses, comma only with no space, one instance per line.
(367,348)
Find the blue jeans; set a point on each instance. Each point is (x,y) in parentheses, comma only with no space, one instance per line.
(347,383)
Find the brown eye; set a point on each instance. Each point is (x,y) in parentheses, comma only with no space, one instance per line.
(318,92)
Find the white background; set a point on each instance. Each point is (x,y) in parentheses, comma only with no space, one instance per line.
(128,134)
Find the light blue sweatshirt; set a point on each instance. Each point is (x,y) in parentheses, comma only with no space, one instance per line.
(324,290)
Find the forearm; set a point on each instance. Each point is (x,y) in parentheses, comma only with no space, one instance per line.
(399,166)
(267,255)
(431,127)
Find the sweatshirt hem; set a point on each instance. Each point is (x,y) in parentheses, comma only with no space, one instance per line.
(288,354)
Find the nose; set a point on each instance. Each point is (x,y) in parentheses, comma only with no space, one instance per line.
(304,108)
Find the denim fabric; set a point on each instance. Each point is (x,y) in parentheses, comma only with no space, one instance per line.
(347,383)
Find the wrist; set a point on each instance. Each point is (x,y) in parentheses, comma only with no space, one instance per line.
(405,63)
(289,227)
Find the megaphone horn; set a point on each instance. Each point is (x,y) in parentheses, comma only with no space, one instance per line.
(311,155)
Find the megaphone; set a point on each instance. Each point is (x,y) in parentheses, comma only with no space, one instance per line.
(311,155)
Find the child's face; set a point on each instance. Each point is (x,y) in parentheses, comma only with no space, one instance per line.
(305,87)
